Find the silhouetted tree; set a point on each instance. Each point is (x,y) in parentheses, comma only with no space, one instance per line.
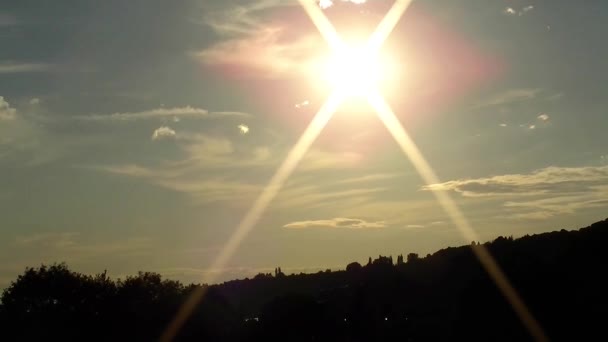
(353,267)
(444,296)
(412,257)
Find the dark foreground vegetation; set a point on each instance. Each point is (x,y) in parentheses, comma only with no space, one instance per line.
(445,296)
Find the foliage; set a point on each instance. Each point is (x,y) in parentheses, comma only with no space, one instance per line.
(443,296)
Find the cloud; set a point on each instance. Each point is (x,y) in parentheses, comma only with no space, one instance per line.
(264,53)
(54,240)
(540,194)
(538,182)
(512,11)
(543,117)
(257,45)
(509,11)
(198,177)
(314,197)
(338,222)
(9,67)
(302,104)
(532,127)
(241,19)
(243,129)
(6,112)
(369,178)
(510,96)
(163,132)
(74,246)
(202,189)
(175,112)
(317,159)
(414,226)
(503,125)
(324,4)
(35,101)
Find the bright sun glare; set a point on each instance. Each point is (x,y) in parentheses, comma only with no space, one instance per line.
(355,71)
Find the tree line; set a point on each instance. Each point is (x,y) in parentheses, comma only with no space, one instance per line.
(443,296)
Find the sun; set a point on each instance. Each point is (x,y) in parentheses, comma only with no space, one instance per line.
(356,71)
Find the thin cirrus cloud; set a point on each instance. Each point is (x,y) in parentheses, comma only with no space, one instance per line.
(11,67)
(202,188)
(510,96)
(188,111)
(264,53)
(72,245)
(540,194)
(256,47)
(538,182)
(338,222)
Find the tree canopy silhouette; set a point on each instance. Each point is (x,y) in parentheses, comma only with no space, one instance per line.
(443,296)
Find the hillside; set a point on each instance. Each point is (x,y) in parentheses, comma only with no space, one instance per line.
(444,296)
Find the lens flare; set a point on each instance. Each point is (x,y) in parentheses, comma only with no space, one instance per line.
(356,71)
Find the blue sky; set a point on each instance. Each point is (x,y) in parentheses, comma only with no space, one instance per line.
(134,135)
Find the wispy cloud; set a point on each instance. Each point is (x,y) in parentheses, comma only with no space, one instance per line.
(264,53)
(254,46)
(540,194)
(518,12)
(241,19)
(535,183)
(312,196)
(11,67)
(54,240)
(73,246)
(543,117)
(187,111)
(510,96)
(210,172)
(509,11)
(317,159)
(324,4)
(560,203)
(338,222)
(369,178)
(6,111)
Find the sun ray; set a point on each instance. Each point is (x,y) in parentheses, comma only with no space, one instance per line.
(387,116)
(387,24)
(259,206)
(409,148)
(323,24)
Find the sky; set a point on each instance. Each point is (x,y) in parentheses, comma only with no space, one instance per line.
(135,135)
